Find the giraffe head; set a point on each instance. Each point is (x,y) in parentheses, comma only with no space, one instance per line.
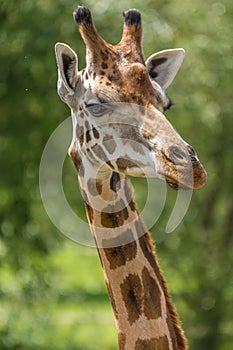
(118,103)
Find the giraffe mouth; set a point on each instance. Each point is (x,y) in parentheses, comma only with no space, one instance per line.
(172,184)
(176,185)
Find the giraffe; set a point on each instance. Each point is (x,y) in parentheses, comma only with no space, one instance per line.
(119,128)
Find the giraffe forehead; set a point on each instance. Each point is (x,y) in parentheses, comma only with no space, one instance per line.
(125,86)
(130,85)
(119,78)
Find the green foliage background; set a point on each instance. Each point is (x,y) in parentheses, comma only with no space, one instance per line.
(52,290)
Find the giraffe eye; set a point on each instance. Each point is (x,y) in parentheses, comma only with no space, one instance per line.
(96,109)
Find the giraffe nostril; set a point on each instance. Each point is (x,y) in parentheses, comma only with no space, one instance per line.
(177,154)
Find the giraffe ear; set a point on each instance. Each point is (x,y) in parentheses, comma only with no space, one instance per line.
(163,66)
(67,62)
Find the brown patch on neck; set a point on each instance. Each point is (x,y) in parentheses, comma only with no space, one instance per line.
(121,341)
(99,152)
(111,217)
(119,255)
(131,290)
(173,321)
(152,297)
(160,343)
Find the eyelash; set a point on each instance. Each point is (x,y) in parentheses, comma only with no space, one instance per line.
(96,109)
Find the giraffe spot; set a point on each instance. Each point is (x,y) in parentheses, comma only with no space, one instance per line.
(119,240)
(172,319)
(77,161)
(160,343)
(95,133)
(88,136)
(80,134)
(110,164)
(112,217)
(88,131)
(121,341)
(115,182)
(128,191)
(147,248)
(111,78)
(114,66)
(131,290)
(136,146)
(94,187)
(95,58)
(120,255)
(129,196)
(130,134)
(108,83)
(124,163)
(109,144)
(152,295)
(132,205)
(90,212)
(98,150)
(104,55)
(104,65)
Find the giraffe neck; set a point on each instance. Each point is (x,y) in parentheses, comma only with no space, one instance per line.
(144,314)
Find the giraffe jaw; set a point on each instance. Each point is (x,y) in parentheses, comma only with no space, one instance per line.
(177,186)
